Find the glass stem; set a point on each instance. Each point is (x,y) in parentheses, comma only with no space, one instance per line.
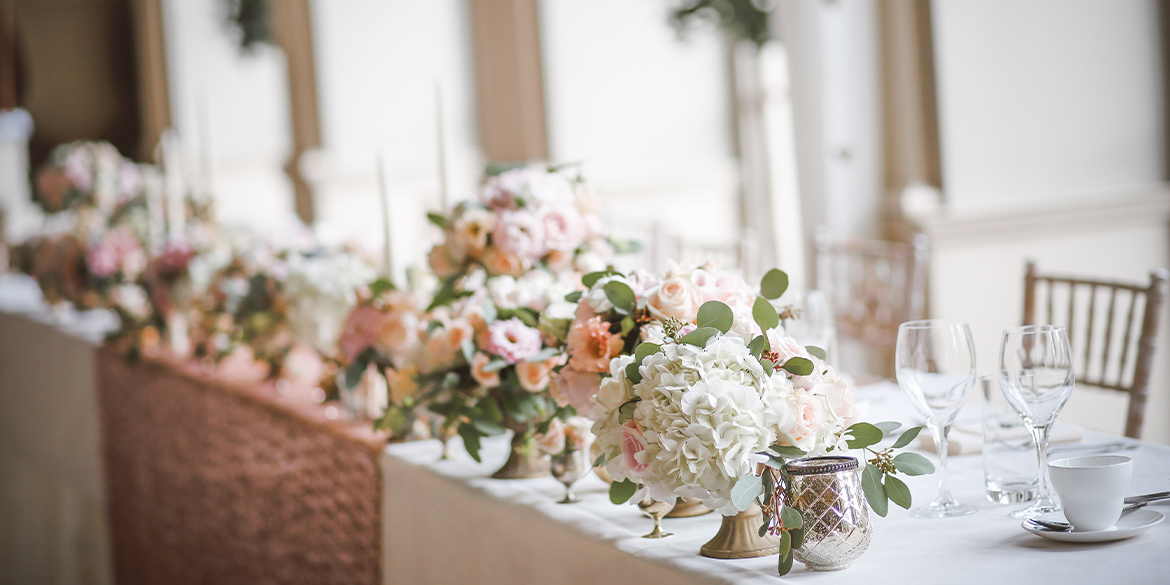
(1040,436)
(940,446)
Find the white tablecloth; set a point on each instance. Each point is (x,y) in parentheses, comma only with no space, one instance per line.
(52,509)
(447,522)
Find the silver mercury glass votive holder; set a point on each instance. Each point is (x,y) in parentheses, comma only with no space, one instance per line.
(827,492)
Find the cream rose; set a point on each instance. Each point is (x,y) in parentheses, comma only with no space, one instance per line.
(676,297)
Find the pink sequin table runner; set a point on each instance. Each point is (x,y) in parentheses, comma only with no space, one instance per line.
(221,479)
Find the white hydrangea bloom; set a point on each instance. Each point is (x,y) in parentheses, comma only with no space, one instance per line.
(321,291)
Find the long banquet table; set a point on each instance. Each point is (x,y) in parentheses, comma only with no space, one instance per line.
(446,522)
(209,480)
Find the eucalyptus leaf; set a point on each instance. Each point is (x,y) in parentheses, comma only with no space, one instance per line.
(437,219)
(470,436)
(715,314)
(699,336)
(599,461)
(468,350)
(621,295)
(897,491)
(544,354)
(574,296)
(798,366)
(788,451)
(621,491)
(767,365)
(888,427)
(791,517)
(633,373)
(871,484)
(913,464)
(591,279)
(765,314)
(628,325)
(764,528)
(354,371)
(816,352)
(907,436)
(490,409)
(758,345)
(380,286)
(626,411)
(864,435)
(495,365)
(745,491)
(645,349)
(774,283)
(797,537)
(785,564)
(785,543)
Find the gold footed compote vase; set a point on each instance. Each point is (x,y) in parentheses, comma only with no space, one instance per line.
(739,537)
(525,459)
(655,510)
(688,508)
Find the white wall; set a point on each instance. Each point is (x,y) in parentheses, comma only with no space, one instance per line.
(234,107)
(1047,99)
(648,115)
(378,65)
(1050,126)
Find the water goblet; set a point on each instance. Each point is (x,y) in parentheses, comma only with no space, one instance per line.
(656,510)
(567,467)
(935,364)
(1036,376)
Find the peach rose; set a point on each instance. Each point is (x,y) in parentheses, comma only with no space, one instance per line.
(485,379)
(591,345)
(442,263)
(676,297)
(397,332)
(534,376)
(553,441)
(402,383)
(499,263)
(576,388)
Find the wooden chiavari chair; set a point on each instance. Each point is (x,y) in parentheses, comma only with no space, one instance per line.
(1118,358)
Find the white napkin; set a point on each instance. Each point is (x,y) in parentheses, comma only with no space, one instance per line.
(968,438)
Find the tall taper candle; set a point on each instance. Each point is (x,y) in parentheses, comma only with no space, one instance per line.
(384,190)
(442,144)
(173,176)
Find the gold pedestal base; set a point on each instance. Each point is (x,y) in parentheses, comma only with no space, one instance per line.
(739,538)
(524,462)
(688,507)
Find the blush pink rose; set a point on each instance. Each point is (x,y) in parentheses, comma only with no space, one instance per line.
(534,376)
(513,340)
(553,441)
(359,331)
(591,345)
(576,388)
(676,297)
(810,417)
(563,228)
(521,233)
(633,445)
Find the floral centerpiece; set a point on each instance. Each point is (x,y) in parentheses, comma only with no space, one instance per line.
(710,406)
(508,259)
(86,174)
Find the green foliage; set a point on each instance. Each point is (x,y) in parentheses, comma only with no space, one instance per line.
(897,492)
(470,436)
(864,435)
(574,296)
(745,491)
(620,294)
(913,464)
(875,493)
(888,427)
(798,366)
(788,451)
(816,352)
(380,286)
(620,492)
(765,314)
(633,373)
(438,219)
(774,283)
(740,19)
(645,349)
(717,315)
(791,518)
(591,279)
(699,336)
(906,437)
(758,345)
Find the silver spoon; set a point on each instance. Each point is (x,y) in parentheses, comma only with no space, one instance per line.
(1148,498)
(1057,526)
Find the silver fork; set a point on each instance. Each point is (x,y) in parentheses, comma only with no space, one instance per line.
(1057,526)
(1147,498)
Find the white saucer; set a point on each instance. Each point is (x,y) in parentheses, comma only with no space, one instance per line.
(1131,524)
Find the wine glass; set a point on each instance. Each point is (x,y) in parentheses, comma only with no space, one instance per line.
(1036,376)
(567,467)
(656,510)
(935,362)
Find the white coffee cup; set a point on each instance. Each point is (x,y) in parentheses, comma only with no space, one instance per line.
(1091,489)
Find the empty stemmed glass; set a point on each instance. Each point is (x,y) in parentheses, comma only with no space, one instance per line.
(567,467)
(935,362)
(1036,376)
